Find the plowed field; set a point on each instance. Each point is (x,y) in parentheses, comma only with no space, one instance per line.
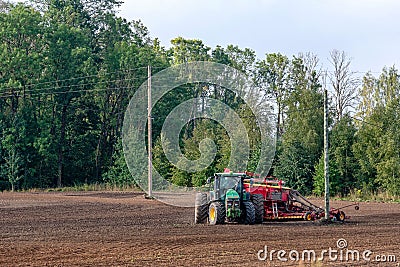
(125,229)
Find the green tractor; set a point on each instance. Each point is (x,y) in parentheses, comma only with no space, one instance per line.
(226,201)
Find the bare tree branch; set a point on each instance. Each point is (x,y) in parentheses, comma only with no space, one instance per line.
(4,6)
(344,83)
(311,63)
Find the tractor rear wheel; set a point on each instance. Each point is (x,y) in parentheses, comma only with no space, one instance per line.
(258,202)
(216,213)
(248,213)
(201,208)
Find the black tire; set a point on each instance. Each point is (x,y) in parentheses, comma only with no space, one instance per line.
(201,208)
(248,213)
(258,202)
(308,216)
(340,216)
(216,213)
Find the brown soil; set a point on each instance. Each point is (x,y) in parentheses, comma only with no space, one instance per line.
(124,229)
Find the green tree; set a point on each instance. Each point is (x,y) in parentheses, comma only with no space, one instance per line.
(160,161)
(21,58)
(301,144)
(118,174)
(242,59)
(388,168)
(13,168)
(187,50)
(377,145)
(273,75)
(335,186)
(342,139)
(295,167)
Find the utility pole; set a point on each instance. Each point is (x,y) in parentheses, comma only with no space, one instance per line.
(149,134)
(326,154)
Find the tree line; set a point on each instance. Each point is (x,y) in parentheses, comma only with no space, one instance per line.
(68,69)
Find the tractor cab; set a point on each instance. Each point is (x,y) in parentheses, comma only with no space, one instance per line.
(223,185)
(226,201)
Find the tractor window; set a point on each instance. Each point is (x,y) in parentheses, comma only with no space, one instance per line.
(228,183)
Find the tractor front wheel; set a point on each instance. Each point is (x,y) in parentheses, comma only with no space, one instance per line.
(216,213)
(201,208)
(258,202)
(248,213)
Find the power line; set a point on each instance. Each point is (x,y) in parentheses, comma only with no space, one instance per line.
(75,91)
(37,91)
(81,77)
(99,75)
(43,90)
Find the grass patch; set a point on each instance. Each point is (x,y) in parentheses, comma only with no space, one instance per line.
(368,196)
(86,188)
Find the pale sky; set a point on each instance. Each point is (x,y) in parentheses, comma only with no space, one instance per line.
(367,30)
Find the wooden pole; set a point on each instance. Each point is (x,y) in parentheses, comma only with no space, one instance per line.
(326,154)
(149,133)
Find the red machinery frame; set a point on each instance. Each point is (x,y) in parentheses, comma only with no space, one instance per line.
(284,203)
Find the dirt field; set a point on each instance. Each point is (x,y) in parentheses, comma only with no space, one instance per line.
(124,229)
